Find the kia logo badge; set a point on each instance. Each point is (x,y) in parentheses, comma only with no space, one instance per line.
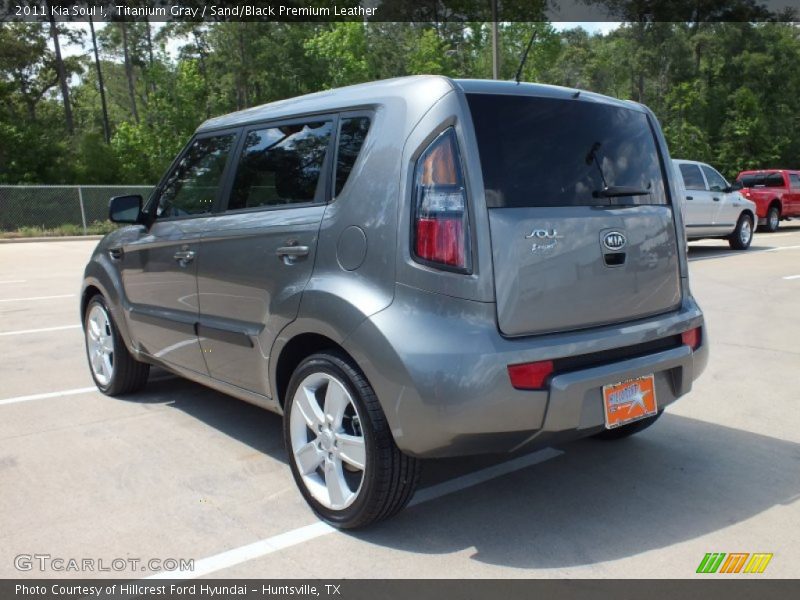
(614,240)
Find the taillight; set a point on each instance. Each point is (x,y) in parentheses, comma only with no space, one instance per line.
(441,225)
(692,338)
(530,376)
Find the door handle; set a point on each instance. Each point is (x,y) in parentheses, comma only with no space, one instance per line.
(184,257)
(690,197)
(292,251)
(715,198)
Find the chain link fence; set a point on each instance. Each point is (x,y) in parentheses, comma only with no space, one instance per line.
(71,208)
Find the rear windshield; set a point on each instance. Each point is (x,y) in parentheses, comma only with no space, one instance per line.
(550,152)
(762,180)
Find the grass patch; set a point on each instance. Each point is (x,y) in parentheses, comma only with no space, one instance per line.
(93,228)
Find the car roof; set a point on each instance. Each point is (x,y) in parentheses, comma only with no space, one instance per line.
(364,95)
(767,171)
(691,162)
(424,90)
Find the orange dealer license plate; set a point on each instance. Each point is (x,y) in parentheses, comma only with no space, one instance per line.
(629,401)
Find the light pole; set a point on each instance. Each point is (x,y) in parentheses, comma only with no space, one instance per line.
(495,47)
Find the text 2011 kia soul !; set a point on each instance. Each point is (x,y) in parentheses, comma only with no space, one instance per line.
(417,267)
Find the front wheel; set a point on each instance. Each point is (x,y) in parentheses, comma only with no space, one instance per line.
(742,236)
(113,368)
(341,451)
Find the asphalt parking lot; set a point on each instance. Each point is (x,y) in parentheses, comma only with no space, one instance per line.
(183,472)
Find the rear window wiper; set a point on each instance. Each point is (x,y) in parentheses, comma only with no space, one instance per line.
(615,191)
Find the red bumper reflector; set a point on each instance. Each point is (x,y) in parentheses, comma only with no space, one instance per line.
(530,376)
(691,338)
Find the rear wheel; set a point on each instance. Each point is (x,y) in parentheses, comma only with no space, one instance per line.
(624,431)
(341,451)
(773,220)
(113,368)
(742,236)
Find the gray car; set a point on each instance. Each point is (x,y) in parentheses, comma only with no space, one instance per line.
(411,268)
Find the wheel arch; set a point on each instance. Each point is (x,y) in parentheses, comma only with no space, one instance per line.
(293,352)
(97,280)
(89,291)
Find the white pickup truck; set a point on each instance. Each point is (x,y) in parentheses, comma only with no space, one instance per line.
(712,207)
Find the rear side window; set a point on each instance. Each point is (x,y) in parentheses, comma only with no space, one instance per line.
(716,182)
(281,165)
(555,152)
(192,186)
(352,133)
(692,177)
(774,180)
(762,180)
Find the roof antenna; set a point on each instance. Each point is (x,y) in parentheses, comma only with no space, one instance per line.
(525,57)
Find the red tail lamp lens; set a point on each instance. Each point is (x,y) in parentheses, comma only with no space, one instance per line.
(530,376)
(692,338)
(440,212)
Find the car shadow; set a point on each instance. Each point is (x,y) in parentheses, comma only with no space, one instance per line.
(258,428)
(598,501)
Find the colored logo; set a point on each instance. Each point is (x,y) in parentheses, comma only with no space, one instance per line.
(734,562)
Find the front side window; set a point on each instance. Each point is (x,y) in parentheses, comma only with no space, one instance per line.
(281,165)
(352,133)
(716,182)
(795,181)
(192,186)
(692,177)
(564,152)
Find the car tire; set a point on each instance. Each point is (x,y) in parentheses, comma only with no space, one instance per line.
(341,450)
(773,219)
(742,236)
(114,370)
(628,430)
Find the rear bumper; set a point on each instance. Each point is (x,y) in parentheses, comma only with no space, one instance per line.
(444,386)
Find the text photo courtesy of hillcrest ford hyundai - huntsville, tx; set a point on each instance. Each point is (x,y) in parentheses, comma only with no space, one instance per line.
(378,306)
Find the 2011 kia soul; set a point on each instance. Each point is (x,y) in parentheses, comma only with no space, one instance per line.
(411,268)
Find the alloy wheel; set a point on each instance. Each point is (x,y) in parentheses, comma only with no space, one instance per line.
(100,343)
(745,232)
(327,441)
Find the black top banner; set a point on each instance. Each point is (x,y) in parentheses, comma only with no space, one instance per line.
(401,10)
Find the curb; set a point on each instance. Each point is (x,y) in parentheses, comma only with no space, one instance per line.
(52,238)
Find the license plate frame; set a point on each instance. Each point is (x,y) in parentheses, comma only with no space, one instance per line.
(629,400)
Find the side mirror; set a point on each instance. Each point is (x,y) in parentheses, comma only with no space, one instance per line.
(125,209)
(736,186)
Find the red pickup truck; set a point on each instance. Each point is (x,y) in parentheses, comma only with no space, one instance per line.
(776,193)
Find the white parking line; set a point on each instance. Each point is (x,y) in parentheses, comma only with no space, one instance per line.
(792,277)
(23,331)
(779,248)
(72,392)
(75,391)
(300,535)
(37,298)
(746,253)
